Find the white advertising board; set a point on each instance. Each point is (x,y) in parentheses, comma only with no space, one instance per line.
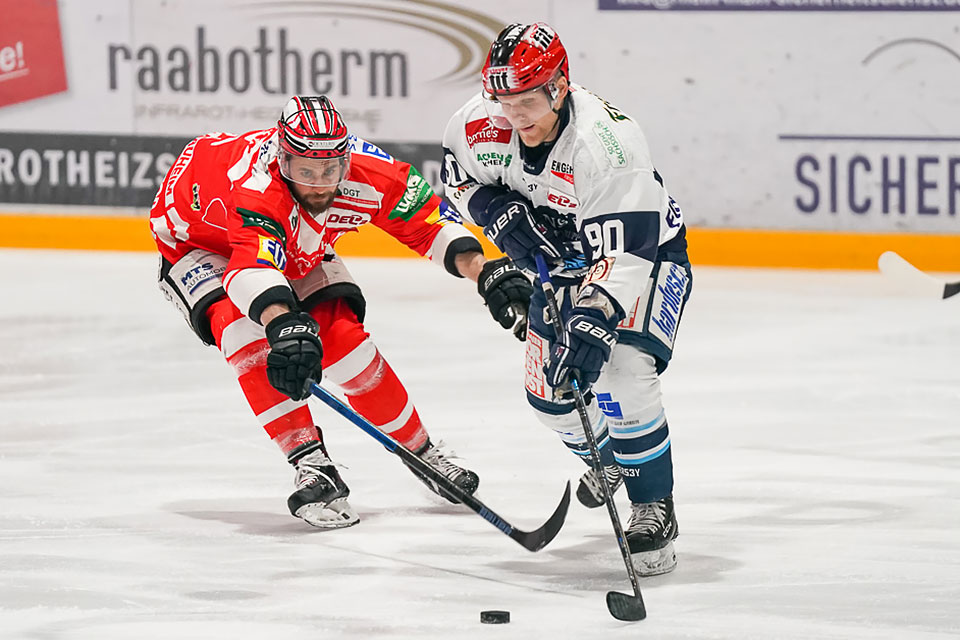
(782,115)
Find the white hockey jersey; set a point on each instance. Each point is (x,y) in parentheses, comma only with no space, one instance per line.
(598,174)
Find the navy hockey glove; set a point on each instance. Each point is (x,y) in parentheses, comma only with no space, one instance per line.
(588,341)
(506,292)
(512,226)
(295,353)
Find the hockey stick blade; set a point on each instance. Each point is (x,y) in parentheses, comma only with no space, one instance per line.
(629,608)
(621,606)
(895,267)
(539,538)
(531,540)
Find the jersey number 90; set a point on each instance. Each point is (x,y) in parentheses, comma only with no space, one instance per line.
(606,238)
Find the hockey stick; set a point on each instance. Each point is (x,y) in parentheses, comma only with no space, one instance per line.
(531,540)
(620,605)
(894,266)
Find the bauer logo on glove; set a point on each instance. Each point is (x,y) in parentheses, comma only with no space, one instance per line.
(589,328)
(586,348)
(506,292)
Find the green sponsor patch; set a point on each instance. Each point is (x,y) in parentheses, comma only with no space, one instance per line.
(495,159)
(616,156)
(417,193)
(254,219)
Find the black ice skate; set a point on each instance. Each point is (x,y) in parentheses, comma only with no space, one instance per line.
(650,536)
(467,480)
(321,495)
(590,492)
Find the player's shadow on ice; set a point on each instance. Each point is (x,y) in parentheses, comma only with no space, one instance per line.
(280,524)
(595,563)
(258,523)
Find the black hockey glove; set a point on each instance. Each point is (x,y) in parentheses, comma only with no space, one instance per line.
(506,292)
(589,339)
(512,226)
(295,353)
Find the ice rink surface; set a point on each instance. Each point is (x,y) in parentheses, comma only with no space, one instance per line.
(815,419)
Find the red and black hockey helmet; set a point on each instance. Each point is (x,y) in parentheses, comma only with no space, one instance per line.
(311,127)
(523,58)
(314,144)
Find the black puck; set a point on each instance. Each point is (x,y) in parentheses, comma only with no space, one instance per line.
(494,617)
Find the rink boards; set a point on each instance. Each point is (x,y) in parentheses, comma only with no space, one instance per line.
(716,247)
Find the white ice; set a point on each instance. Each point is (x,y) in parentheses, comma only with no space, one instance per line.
(816,432)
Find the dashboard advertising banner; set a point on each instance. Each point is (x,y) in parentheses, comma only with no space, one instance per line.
(31,54)
(759,114)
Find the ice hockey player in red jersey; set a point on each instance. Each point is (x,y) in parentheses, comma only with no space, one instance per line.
(246,226)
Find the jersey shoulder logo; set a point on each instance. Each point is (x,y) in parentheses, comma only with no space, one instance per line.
(364,148)
(271,253)
(195,204)
(614,151)
(415,196)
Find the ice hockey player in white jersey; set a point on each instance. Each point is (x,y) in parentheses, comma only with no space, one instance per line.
(545,166)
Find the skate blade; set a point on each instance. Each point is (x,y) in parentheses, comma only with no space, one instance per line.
(655,563)
(338,514)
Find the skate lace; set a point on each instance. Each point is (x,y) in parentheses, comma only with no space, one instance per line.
(648,516)
(437,457)
(313,467)
(592,480)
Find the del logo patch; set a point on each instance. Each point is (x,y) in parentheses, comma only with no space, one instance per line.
(271,253)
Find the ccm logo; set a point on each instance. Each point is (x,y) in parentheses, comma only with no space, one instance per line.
(562,201)
(348,219)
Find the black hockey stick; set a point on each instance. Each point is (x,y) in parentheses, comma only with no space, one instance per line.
(894,266)
(532,540)
(620,605)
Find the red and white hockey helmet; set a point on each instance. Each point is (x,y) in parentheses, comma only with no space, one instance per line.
(314,145)
(523,58)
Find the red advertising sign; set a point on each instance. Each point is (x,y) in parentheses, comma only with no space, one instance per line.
(31,53)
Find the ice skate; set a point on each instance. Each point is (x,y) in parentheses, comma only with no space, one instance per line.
(590,492)
(321,496)
(650,536)
(467,480)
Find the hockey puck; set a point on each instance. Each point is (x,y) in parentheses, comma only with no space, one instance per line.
(494,617)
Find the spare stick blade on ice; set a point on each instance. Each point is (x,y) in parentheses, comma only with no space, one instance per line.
(896,268)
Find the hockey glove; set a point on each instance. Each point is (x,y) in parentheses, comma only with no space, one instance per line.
(506,292)
(586,348)
(295,353)
(512,226)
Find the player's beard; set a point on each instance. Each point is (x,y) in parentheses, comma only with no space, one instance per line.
(316,203)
